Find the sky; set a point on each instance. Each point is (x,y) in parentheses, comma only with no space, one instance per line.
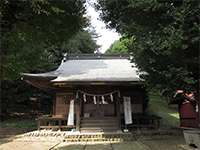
(106,36)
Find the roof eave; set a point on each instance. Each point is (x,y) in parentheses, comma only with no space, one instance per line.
(29,76)
(65,83)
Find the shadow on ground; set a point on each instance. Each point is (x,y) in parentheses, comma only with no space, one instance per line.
(135,145)
(161,142)
(8,134)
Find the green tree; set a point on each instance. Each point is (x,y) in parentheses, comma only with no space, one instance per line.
(34,36)
(166,38)
(119,47)
(82,42)
(33,33)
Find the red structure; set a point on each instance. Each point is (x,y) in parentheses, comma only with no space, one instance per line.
(188,115)
(188,109)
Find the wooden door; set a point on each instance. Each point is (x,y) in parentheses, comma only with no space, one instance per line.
(107,108)
(99,108)
(62,104)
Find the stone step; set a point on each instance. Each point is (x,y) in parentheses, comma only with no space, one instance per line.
(99,124)
(100,137)
(98,121)
(97,140)
(98,129)
(104,118)
(92,130)
(103,127)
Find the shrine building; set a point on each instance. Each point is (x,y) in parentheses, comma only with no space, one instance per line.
(93,92)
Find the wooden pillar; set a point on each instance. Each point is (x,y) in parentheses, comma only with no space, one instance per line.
(198,101)
(77,102)
(54,104)
(38,123)
(119,112)
(59,124)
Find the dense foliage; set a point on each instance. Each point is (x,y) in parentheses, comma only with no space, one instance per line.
(82,42)
(35,34)
(119,47)
(166,38)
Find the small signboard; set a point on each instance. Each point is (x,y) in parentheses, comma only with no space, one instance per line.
(70,120)
(127,110)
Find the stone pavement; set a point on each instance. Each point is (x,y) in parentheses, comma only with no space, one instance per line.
(56,142)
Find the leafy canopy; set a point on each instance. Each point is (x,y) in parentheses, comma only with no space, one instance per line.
(82,42)
(119,47)
(34,32)
(166,34)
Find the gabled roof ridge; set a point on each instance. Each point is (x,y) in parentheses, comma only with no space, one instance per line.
(95,56)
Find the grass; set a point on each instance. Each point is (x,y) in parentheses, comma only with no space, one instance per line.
(158,106)
(19,124)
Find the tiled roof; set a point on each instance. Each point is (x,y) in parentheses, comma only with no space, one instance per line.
(93,68)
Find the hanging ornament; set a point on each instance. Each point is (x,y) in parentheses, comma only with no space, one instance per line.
(111,97)
(77,95)
(119,94)
(84,97)
(95,100)
(103,99)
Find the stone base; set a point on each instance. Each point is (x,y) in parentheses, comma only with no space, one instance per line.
(192,137)
(98,137)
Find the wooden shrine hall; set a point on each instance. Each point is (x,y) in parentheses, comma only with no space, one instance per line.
(93,92)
